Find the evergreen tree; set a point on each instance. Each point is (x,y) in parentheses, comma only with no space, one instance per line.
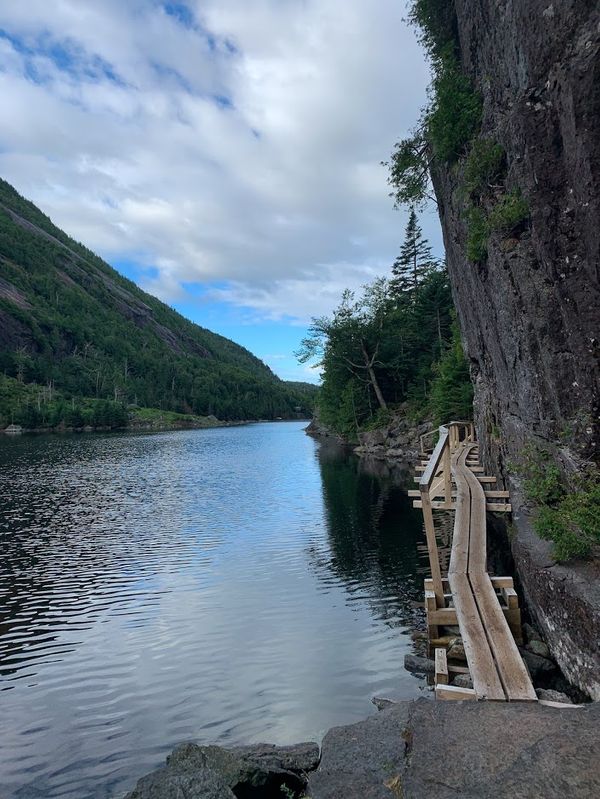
(414,262)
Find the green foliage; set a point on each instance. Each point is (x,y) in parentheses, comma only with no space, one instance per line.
(454,115)
(414,261)
(451,388)
(436,21)
(478,232)
(509,211)
(409,171)
(387,341)
(567,515)
(483,165)
(74,324)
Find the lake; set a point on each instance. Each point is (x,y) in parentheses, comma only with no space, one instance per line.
(230,585)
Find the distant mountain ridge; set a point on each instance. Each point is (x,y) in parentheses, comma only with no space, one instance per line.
(71,323)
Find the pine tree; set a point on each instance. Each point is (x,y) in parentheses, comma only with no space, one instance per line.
(415,260)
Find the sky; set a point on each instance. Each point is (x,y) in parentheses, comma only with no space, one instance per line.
(224,154)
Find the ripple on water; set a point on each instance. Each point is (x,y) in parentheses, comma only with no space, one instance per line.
(227,585)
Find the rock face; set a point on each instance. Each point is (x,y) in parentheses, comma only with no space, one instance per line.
(409,750)
(211,772)
(529,312)
(398,440)
(442,750)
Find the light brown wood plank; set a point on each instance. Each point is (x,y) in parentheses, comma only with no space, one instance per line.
(441,667)
(513,672)
(486,681)
(459,556)
(478,531)
(454,692)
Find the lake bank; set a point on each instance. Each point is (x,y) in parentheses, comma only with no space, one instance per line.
(410,750)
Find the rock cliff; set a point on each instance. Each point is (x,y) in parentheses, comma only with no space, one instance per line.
(529,310)
(529,313)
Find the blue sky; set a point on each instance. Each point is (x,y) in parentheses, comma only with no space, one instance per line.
(224,154)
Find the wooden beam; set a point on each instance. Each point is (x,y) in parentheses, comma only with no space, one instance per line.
(434,559)
(454,692)
(441,667)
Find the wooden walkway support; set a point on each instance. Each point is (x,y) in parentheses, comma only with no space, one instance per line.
(485,608)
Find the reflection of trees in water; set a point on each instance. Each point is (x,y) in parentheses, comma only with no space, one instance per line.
(373,534)
(443,523)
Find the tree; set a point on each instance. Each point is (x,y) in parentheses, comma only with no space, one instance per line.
(352,336)
(415,260)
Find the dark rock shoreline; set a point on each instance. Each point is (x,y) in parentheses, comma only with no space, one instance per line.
(410,750)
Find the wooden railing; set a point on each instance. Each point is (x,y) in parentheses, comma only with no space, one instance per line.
(435,481)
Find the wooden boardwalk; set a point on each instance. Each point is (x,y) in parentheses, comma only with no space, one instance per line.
(485,608)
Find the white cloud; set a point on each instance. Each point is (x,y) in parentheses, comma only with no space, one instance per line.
(244,149)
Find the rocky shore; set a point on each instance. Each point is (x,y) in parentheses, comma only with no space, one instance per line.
(409,750)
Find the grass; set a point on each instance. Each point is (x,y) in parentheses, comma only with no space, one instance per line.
(567,515)
(510,211)
(484,164)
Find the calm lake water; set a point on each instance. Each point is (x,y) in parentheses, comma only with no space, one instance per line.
(231,585)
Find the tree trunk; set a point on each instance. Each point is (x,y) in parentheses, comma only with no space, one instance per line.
(373,377)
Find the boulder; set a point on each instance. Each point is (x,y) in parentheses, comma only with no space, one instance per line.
(364,760)
(538,666)
(418,664)
(381,703)
(212,772)
(538,648)
(553,696)
(463,681)
(456,650)
(531,634)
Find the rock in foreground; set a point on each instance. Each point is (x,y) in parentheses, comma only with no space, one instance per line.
(471,750)
(211,772)
(409,750)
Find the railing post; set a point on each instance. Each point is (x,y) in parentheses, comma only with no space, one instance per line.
(434,560)
(447,476)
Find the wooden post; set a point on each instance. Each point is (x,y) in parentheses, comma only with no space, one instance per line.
(441,667)
(434,560)
(447,477)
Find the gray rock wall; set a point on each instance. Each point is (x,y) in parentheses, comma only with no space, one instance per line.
(530,314)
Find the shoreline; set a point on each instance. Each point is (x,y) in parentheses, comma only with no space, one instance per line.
(416,749)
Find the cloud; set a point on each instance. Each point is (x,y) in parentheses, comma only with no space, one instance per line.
(220,141)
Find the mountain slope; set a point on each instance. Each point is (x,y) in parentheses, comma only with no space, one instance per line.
(70,322)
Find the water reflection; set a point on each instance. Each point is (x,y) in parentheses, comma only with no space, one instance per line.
(226,585)
(373,535)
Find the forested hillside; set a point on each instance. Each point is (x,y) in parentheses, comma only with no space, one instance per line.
(72,327)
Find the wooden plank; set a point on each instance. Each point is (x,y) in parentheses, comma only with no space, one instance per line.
(430,600)
(491,507)
(478,531)
(489,493)
(441,667)
(454,692)
(486,478)
(442,617)
(435,459)
(454,669)
(510,596)
(434,559)
(459,556)
(513,672)
(447,474)
(502,582)
(486,681)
